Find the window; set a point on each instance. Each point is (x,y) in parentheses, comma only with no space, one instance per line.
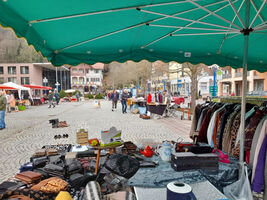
(1,80)
(87,71)
(96,71)
(203,86)
(95,79)
(24,70)
(74,71)
(12,70)
(81,71)
(12,79)
(25,80)
(1,70)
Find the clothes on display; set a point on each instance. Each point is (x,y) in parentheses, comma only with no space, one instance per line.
(218,125)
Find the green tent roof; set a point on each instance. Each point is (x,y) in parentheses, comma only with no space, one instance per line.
(198,31)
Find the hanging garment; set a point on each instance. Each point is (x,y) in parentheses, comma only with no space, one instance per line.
(258,181)
(262,135)
(202,136)
(234,131)
(251,128)
(255,140)
(195,119)
(160,98)
(212,123)
(202,116)
(229,110)
(227,130)
(248,116)
(216,127)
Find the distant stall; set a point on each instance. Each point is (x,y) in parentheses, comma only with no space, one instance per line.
(37,95)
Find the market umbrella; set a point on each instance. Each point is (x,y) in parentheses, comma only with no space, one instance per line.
(207,31)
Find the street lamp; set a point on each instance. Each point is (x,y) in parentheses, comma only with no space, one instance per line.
(45,81)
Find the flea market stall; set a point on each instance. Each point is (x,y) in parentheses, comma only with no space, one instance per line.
(227,33)
(37,95)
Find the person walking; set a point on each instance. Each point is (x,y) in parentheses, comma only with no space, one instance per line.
(77,96)
(124,98)
(50,99)
(8,97)
(57,96)
(114,98)
(3,103)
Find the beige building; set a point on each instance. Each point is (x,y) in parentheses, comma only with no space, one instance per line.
(232,81)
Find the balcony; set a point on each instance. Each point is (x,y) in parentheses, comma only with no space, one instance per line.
(224,76)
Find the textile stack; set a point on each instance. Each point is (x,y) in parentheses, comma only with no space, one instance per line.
(217,124)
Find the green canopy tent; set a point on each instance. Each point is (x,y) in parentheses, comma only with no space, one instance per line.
(197,31)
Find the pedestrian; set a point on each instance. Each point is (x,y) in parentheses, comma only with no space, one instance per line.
(50,99)
(77,96)
(124,98)
(2,109)
(114,98)
(56,96)
(8,98)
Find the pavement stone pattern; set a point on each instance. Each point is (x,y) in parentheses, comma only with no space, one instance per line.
(29,130)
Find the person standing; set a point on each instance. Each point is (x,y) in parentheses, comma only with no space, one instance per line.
(57,96)
(2,109)
(114,98)
(8,97)
(50,99)
(124,98)
(77,96)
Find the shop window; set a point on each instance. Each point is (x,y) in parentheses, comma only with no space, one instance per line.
(259,85)
(12,70)
(24,70)
(12,79)
(1,70)
(2,80)
(25,80)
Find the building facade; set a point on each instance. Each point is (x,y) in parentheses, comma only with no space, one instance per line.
(87,78)
(34,74)
(231,82)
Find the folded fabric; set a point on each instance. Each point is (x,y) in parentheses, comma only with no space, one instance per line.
(92,191)
(51,152)
(75,165)
(26,167)
(29,177)
(39,162)
(20,197)
(121,195)
(39,153)
(53,168)
(63,196)
(51,185)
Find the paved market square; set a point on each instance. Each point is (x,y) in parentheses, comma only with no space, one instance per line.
(29,130)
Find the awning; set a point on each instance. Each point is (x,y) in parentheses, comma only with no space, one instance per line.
(37,87)
(4,87)
(78,31)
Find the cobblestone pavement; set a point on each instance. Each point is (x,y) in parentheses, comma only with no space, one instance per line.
(28,130)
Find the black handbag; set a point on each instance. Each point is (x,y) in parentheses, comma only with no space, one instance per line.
(122,165)
(198,148)
(79,180)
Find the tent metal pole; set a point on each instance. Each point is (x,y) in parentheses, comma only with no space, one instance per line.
(237,12)
(253,4)
(166,35)
(212,33)
(262,5)
(244,85)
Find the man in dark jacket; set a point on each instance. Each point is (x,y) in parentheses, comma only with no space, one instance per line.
(2,109)
(57,96)
(114,98)
(50,99)
(124,98)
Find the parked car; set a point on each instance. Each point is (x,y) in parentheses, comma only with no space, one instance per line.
(257,93)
